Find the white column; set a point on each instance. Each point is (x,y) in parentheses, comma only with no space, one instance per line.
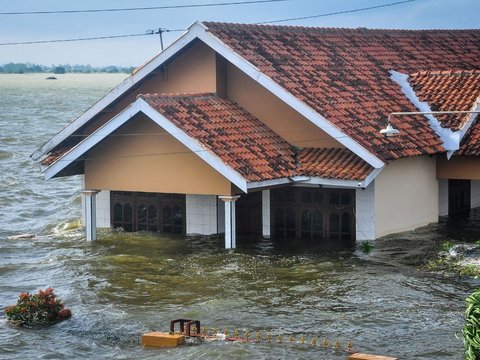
(90,214)
(230,231)
(365,213)
(266,213)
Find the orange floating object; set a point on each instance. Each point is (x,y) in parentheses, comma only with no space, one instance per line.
(161,339)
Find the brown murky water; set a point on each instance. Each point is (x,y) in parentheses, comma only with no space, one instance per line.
(126,284)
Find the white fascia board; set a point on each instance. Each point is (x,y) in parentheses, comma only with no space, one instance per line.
(92,140)
(141,106)
(115,93)
(268,183)
(315,180)
(371,177)
(317,119)
(195,146)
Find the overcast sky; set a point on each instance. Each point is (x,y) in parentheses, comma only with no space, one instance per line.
(419,14)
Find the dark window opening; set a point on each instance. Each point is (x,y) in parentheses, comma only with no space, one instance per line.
(313,213)
(137,211)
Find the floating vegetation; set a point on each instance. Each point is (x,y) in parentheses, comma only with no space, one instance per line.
(471,328)
(457,259)
(366,247)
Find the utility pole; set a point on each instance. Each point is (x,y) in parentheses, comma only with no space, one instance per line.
(160,32)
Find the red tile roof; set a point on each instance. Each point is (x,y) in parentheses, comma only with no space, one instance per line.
(244,143)
(249,146)
(237,137)
(343,74)
(470,145)
(332,163)
(448,90)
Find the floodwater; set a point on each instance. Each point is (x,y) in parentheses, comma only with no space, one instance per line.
(127,284)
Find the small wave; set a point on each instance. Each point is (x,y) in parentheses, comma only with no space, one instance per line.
(5,155)
(69,228)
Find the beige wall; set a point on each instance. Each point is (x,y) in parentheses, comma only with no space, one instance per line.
(406,195)
(156,162)
(458,167)
(278,116)
(191,72)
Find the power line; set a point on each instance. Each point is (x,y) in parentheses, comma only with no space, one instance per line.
(148,33)
(186,6)
(159,31)
(75,39)
(336,13)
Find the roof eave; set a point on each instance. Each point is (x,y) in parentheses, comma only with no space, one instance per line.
(317,181)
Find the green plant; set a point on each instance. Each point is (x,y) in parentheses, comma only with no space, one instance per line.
(471,327)
(42,308)
(447,245)
(366,247)
(477,242)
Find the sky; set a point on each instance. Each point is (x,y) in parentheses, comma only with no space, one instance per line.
(418,14)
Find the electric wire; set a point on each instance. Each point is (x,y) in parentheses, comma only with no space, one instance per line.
(163,7)
(76,39)
(149,32)
(336,12)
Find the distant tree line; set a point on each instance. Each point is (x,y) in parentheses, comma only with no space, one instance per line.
(25,68)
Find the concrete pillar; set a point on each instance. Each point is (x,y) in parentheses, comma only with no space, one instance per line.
(266,213)
(230,228)
(201,214)
(442,197)
(90,214)
(365,213)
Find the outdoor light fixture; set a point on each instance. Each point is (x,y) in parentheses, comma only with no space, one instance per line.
(391,131)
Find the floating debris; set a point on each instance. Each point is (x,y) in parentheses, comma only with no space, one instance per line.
(22,237)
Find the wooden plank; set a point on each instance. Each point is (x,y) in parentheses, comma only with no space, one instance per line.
(359,356)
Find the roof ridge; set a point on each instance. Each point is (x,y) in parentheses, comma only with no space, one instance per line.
(178,95)
(458,72)
(326,29)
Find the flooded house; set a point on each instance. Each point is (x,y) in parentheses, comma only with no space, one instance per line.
(285,132)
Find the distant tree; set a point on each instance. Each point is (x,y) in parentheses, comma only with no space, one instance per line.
(110,69)
(1,69)
(59,70)
(14,68)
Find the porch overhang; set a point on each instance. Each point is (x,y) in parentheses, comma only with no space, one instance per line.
(315,181)
(140,106)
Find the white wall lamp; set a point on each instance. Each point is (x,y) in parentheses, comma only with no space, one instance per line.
(391,131)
